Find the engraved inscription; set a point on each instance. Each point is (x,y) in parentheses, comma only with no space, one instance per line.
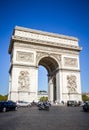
(70,62)
(25,56)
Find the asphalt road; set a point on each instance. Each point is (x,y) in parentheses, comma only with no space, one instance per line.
(57,118)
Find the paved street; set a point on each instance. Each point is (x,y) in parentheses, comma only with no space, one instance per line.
(57,118)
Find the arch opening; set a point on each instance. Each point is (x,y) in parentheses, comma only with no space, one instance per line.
(42,79)
(51,66)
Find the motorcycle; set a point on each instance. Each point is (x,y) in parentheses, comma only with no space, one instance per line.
(43,106)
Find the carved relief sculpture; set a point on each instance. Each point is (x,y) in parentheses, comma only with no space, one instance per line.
(59,54)
(25,56)
(23,80)
(70,62)
(71,84)
(40,54)
(58,57)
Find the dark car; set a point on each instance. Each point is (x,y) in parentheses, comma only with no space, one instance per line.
(86,106)
(72,103)
(7,106)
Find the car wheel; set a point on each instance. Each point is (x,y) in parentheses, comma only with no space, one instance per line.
(16,108)
(4,109)
(85,109)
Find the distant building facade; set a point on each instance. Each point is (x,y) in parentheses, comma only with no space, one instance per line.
(59,54)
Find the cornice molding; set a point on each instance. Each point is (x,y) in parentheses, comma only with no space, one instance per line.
(41,43)
(45,33)
(67,69)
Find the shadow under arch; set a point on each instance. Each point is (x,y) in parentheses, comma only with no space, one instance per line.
(49,63)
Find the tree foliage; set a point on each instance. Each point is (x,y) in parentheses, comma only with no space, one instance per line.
(85,97)
(3,98)
(43,99)
(43,91)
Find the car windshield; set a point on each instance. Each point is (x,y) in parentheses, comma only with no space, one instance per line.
(87,102)
(22,102)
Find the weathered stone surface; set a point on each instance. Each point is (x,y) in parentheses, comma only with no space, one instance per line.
(59,54)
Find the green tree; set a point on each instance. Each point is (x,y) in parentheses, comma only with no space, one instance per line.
(3,98)
(85,97)
(43,99)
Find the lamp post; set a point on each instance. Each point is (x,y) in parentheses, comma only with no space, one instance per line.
(69,94)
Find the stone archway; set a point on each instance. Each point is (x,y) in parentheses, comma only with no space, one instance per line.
(59,54)
(52,67)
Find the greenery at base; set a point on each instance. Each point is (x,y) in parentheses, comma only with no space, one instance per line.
(3,98)
(43,99)
(85,97)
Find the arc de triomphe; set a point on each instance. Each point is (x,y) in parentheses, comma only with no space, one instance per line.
(59,54)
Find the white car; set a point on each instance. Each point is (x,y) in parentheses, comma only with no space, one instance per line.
(23,104)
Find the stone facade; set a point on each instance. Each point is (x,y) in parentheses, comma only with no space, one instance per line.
(59,54)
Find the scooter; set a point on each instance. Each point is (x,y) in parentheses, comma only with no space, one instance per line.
(43,106)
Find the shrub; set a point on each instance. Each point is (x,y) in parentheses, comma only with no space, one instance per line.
(85,97)
(43,99)
(3,98)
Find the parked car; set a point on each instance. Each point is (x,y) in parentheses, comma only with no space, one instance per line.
(7,106)
(72,103)
(23,104)
(86,106)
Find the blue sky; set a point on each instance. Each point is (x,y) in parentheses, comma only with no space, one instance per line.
(68,17)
